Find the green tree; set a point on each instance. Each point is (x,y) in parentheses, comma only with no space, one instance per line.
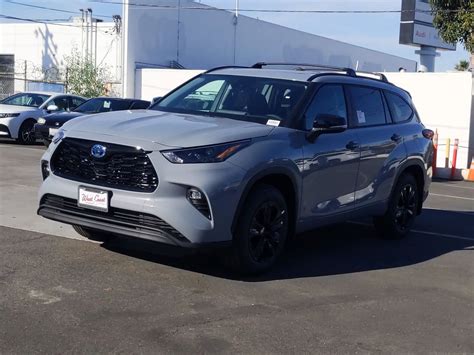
(463,65)
(455,21)
(83,77)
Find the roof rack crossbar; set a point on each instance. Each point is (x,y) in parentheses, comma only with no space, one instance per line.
(348,71)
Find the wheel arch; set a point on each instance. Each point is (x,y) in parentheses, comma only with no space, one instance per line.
(21,123)
(281,178)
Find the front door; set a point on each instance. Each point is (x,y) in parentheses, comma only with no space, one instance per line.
(331,163)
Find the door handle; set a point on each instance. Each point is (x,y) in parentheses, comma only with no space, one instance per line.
(352,145)
(396,137)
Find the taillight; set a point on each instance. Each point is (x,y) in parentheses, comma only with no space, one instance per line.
(428,133)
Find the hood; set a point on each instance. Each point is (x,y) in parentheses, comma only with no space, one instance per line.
(165,128)
(61,117)
(16,108)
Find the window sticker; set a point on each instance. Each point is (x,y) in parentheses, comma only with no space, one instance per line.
(360,116)
(275,123)
(106,104)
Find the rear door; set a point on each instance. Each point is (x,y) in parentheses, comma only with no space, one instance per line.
(381,144)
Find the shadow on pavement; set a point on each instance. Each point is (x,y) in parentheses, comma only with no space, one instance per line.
(338,249)
(38,143)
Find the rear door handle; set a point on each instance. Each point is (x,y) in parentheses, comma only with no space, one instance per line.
(352,145)
(396,137)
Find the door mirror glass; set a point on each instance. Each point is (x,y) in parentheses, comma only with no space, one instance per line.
(52,108)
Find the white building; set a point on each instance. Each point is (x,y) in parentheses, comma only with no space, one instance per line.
(164,34)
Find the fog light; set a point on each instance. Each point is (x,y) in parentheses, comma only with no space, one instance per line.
(45,169)
(199,201)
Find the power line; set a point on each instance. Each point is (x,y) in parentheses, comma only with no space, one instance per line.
(44,22)
(210,8)
(51,9)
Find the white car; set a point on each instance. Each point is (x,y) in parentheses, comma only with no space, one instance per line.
(20,112)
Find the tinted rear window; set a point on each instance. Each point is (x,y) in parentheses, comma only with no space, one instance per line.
(368,106)
(399,108)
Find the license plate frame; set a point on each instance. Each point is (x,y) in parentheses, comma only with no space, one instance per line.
(96,195)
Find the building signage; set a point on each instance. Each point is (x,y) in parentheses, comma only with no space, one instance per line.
(416,27)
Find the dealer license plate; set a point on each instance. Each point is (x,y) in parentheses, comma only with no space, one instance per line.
(93,199)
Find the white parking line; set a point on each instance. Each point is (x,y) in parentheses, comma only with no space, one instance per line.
(451,236)
(457,187)
(451,196)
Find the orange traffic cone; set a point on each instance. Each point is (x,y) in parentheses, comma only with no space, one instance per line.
(470,175)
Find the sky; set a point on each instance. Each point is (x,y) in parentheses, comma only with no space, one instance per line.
(374,31)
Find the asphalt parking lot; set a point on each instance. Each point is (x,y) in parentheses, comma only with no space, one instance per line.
(337,290)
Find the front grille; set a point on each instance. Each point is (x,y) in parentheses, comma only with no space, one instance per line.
(132,220)
(123,167)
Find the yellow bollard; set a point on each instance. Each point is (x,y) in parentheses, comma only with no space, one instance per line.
(448,147)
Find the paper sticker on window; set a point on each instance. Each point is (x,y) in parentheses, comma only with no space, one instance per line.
(360,116)
(106,104)
(275,123)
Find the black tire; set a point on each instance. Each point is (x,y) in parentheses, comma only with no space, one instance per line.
(26,133)
(93,234)
(262,231)
(402,209)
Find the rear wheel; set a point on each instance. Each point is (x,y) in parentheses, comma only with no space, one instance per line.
(93,234)
(26,134)
(262,231)
(402,210)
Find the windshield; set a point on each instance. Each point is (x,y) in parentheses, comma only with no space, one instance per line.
(237,97)
(102,105)
(26,99)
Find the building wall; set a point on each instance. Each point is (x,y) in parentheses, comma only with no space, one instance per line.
(208,38)
(44,46)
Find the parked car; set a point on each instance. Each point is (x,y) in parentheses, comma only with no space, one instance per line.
(47,126)
(244,158)
(19,112)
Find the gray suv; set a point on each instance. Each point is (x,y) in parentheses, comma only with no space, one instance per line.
(244,158)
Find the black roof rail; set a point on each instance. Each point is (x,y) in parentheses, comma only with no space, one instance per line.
(225,67)
(301,66)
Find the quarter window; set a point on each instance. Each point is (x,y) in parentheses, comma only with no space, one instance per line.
(368,106)
(329,100)
(399,108)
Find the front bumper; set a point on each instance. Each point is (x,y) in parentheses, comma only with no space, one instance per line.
(42,131)
(174,219)
(4,131)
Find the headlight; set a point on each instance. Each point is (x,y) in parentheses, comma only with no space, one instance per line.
(41,120)
(208,154)
(4,115)
(58,136)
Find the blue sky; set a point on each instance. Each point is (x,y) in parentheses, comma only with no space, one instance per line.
(375,31)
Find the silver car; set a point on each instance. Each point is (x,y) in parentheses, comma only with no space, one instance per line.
(244,158)
(20,112)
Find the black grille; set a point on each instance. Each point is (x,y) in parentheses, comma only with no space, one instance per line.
(132,220)
(123,167)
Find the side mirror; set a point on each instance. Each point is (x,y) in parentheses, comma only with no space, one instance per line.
(327,123)
(52,108)
(155,100)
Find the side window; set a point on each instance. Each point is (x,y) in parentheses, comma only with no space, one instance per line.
(328,100)
(60,102)
(74,102)
(368,106)
(399,108)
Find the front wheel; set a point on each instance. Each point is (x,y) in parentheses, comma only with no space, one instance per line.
(92,234)
(26,134)
(261,232)
(402,210)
